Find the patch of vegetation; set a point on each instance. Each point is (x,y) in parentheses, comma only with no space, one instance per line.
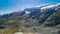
(9,31)
(53,20)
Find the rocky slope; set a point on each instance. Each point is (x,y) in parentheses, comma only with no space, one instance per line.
(38,19)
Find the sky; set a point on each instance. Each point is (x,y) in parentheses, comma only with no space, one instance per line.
(8,6)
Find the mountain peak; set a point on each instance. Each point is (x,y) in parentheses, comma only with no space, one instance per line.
(48,7)
(58,4)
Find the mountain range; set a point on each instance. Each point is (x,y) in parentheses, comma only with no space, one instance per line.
(47,16)
(34,11)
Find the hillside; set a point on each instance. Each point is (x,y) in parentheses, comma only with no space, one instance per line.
(39,19)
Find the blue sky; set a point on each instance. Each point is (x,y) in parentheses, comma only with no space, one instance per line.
(7,6)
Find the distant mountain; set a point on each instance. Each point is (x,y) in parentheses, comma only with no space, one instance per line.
(33,11)
(41,14)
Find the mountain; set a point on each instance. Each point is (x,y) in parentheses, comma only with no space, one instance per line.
(54,19)
(34,10)
(39,13)
(41,19)
(42,12)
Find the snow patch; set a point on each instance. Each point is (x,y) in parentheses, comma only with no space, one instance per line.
(48,7)
(27,12)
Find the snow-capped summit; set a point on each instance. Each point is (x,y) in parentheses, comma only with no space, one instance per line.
(58,4)
(47,8)
(50,7)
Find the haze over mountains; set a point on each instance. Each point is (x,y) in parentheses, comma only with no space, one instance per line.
(40,17)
